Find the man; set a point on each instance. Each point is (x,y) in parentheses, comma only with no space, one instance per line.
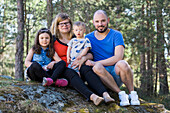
(108,51)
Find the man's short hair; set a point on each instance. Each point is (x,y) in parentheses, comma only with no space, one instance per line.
(100,11)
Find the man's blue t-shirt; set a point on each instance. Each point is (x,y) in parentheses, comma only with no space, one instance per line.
(103,49)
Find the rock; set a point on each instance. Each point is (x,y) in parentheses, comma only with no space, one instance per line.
(32,97)
(5,76)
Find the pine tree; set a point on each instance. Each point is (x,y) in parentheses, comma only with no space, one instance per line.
(19,42)
(160,49)
(49,13)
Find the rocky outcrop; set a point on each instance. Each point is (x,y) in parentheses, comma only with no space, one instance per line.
(32,97)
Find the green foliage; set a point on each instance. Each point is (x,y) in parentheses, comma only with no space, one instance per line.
(8,26)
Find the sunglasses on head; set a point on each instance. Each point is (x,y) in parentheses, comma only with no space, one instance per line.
(44,30)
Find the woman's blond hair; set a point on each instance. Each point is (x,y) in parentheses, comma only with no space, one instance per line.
(54,27)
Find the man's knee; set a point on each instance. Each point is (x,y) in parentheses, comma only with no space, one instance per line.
(98,68)
(123,66)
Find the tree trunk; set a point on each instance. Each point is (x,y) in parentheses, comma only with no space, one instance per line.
(149,66)
(156,79)
(142,56)
(152,47)
(49,13)
(62,5)
(160,46)
(3,45)
(19,42)
(27,22)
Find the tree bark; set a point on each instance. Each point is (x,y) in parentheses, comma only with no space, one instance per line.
(62,5)
(160,52)
(49,13)
(149,66)
(19,41)
(142,56)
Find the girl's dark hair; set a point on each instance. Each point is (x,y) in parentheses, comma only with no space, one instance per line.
(37,46)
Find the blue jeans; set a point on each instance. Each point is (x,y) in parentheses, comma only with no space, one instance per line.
(76,69)
(111,70)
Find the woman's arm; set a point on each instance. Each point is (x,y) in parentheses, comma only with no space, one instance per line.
(83,53)
(56,57)
(68,54)
(29,58)
(78,63)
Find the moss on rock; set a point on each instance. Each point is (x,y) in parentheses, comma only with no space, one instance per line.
(31,97)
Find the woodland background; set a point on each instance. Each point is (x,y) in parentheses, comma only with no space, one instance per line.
(144,24)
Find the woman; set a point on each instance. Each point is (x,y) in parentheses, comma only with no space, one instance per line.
(62,31)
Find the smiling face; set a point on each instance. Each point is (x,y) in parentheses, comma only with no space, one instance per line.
(100,21)
(79,31)
(44,40)
(64,26)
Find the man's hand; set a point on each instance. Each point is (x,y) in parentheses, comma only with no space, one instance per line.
(90,63)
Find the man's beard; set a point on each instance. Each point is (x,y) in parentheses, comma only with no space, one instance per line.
(102,30)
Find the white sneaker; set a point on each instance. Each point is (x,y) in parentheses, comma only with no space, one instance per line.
(124,101)
(133,96)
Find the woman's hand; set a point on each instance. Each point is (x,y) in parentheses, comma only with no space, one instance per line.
(78,63)
(79,57)
(81,61)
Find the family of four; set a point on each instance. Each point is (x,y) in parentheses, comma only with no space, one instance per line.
(62,55)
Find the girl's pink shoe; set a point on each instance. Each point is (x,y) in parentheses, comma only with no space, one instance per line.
(61,82)
(47,81)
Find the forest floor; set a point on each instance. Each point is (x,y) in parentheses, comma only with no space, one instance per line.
(162,99)
(21,96)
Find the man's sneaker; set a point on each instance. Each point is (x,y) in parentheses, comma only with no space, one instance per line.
(133,96)
(61,82)
(124,101)
(47,81)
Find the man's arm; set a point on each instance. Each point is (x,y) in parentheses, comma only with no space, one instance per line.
(119,53)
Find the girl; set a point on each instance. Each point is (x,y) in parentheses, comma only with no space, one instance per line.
(39,61)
